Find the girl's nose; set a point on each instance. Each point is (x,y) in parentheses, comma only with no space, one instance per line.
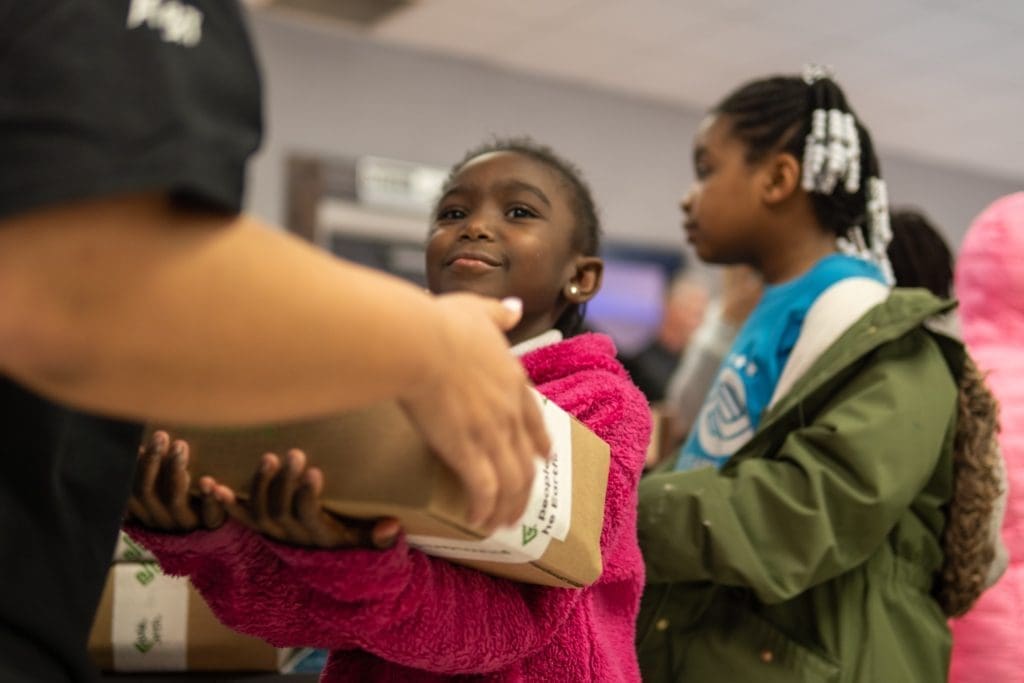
(477,228)
(686,203)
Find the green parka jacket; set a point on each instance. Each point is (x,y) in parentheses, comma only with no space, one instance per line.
(812,554)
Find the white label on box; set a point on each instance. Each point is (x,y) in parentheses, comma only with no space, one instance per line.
(548,512)
(487,549)
(557,515)
(150,618)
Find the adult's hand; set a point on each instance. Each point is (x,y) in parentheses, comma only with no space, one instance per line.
(477,412)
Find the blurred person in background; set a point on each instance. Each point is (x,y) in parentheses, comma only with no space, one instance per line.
(919,254)
(686,300)
(921,257)
(697,366)
(989,282)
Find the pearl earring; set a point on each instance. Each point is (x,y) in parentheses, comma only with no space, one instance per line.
(574,290)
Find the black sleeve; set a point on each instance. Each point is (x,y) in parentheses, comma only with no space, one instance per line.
(102,97)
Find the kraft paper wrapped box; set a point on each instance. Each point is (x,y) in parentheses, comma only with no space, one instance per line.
(375,464)
(148,621)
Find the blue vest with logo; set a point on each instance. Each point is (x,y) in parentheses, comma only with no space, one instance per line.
(747,378)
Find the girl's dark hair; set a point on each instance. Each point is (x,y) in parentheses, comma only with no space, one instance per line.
(919,255)
(587,236)
(774,115)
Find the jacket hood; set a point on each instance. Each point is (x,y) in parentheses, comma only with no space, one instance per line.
(989,277)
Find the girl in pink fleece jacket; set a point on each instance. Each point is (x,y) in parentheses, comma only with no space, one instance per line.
(990,285)
(514,220)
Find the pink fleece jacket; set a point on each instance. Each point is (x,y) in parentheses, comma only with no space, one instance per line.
(400,615)
(988,642)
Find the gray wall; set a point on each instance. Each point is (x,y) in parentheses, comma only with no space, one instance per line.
(342,95)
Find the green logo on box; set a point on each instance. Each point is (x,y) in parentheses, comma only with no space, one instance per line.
(529,533)
(147,634)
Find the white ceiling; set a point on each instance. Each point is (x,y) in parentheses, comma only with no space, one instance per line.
(936,79)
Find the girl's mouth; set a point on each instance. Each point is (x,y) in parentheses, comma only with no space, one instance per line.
(473,261)
(469,264)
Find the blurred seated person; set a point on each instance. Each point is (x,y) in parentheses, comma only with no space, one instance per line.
(697,367)
(686,299)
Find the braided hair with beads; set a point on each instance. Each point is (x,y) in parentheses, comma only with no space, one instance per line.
(810,118)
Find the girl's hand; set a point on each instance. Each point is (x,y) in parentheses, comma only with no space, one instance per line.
(284,504)
(160,497)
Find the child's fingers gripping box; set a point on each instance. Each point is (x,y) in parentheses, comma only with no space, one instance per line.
(375,464)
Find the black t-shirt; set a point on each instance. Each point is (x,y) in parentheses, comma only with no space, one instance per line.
(97,98)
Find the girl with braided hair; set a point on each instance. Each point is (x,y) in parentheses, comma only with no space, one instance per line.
(802,533)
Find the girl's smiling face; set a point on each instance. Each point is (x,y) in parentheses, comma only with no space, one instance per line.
(505,226)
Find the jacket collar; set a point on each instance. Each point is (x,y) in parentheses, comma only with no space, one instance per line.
(902,311)
(540,341)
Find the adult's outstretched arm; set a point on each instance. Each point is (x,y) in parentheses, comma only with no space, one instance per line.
(134,307)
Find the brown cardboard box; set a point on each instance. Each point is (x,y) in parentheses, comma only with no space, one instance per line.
(148,621)
(375,464)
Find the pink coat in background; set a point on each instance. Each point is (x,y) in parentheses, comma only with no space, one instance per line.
(400,615)
(988,642)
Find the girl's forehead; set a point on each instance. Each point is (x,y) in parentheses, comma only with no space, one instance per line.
(508,164)
(713,130)
(706,123)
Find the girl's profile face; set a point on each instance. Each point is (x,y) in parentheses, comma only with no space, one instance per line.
(721,208)
(504,227)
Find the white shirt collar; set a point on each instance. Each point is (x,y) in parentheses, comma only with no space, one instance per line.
(540,341)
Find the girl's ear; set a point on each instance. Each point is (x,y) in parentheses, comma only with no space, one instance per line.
(782,178)
(586,280)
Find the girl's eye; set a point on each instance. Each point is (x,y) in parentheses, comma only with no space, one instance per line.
(450,214)
(702,171)
(520,212)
